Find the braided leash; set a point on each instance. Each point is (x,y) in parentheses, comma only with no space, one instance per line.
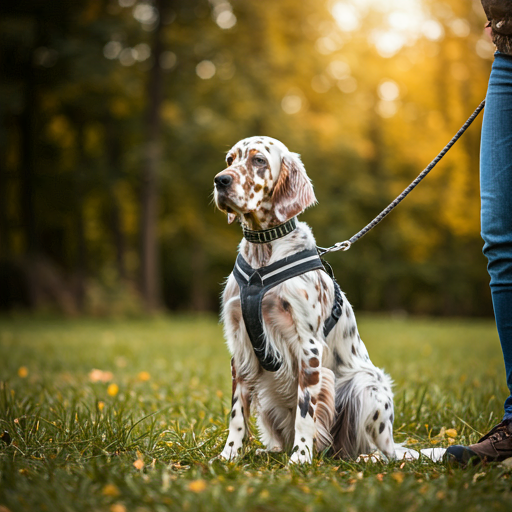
(345,246)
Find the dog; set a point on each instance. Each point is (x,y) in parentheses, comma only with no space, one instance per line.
(311,385)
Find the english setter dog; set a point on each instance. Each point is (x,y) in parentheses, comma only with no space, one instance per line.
(297,357)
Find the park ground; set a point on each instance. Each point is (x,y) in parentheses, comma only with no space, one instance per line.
(129,415)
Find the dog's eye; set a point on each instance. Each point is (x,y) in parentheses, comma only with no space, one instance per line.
(259,161)
(229,160)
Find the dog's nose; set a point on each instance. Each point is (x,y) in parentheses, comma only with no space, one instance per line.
(223,180)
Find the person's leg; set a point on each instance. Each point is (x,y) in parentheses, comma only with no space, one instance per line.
(496,216)
(496,194)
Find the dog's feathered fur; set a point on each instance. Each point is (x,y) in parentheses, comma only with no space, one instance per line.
(327,392)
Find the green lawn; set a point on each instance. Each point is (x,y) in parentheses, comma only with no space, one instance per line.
(142,433)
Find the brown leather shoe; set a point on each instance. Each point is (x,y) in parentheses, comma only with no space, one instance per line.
(495,446)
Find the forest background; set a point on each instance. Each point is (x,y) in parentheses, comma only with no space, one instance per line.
(115,115)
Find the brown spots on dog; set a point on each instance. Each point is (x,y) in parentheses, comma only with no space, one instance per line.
(313,400)
(314,362)
(352,330)
(265,189)
(381,428)
(286,305)
(268,149)
(354,350)
(314,351)
(257,188)
(233,413)
(312,379)
(376,415)
(261,172)
(312,341)
(252,195)
(311,328)
(239,153)
(306,353)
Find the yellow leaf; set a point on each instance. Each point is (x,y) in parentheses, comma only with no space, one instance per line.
(117,507)
(110,490)
(144,376)
(398,476)
(22,372)
(451,432)
(113,389)
(197,485)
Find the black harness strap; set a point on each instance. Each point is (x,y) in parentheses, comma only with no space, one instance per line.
(254,283)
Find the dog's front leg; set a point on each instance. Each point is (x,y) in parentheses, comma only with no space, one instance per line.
(237,419)
(308,391)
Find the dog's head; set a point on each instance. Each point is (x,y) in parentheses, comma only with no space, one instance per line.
(264,183)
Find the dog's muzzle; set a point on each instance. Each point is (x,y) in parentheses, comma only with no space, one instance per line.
(223,181)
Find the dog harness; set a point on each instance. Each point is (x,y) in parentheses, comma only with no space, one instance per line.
(254,283)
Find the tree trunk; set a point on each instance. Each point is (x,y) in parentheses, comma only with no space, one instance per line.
(114,153)
(150,275)
(27,119)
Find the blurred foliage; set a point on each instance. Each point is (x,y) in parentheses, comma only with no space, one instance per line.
(367,92)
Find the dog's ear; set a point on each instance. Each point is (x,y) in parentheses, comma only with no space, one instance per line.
(293,192)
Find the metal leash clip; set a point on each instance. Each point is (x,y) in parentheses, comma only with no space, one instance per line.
(338,246)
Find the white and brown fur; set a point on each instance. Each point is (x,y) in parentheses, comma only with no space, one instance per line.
(327,393)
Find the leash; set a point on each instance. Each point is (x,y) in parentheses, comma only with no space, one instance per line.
(345,246)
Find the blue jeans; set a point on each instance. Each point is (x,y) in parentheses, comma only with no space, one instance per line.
(496,195)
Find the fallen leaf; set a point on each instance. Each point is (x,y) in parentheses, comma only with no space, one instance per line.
(398,476)
(138,464)
(112,389)
(197,485)
(96,375)
(117,507)
(110,490)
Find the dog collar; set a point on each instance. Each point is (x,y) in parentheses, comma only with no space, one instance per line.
(265,236)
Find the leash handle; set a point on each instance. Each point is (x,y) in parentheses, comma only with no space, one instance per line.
(345,246)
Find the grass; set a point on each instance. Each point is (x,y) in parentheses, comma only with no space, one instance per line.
(142,433)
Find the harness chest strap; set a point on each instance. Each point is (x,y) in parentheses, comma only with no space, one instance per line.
(254,283)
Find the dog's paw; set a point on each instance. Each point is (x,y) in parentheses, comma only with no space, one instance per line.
(302,456)
(265,451)
(231,450)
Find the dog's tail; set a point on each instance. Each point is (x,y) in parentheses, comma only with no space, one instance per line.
(364,413)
